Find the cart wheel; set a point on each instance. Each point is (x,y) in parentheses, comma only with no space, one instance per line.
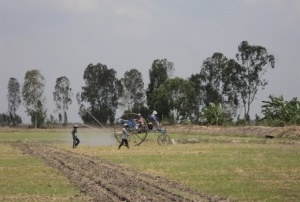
(137,134)
(163,139)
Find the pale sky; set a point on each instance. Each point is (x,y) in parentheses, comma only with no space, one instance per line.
(62,37)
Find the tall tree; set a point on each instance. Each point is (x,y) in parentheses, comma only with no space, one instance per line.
(214,85)
(62,96)
(14,98)
(102,91)
(212,78)
(218,84)
(254,62)
(133,95)
(199,92)
(160,71)
(33,98)
(176,95)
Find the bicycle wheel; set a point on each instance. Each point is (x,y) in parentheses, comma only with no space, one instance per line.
(118,132)
(163,139)
(136,138)
(137,134)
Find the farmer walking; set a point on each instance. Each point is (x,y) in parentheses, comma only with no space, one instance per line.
(76,140)
(124,136)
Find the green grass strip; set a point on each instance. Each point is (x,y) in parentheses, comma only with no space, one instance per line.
(25,178)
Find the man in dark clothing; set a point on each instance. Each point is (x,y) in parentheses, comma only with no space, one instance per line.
(76,140)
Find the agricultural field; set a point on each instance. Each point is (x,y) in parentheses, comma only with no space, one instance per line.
(203,164)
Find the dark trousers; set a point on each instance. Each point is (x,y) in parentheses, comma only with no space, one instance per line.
(124,141)
(76,142)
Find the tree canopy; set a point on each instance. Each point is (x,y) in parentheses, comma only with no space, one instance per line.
(133,95)
(14,99)
(160,71)
(62,95)
(102,92)
(33,96)
(222,85)
(175,96)
(254,62)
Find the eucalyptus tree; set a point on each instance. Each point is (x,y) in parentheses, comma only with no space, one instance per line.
(211,78)
(175,96)
(199,92)
(14,99)
(230,93)
(214,84)
(102,92)
(160,71)
(133,95)
(63,96)
(254,62)
(33,97)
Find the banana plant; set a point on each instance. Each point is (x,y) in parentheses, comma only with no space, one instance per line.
(213,114)
(277,110)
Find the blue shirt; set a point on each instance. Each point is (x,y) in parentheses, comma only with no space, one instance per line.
(153,117)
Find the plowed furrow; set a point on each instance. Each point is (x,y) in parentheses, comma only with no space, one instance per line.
(104,181)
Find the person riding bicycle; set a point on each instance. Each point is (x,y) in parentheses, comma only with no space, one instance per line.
(154,119)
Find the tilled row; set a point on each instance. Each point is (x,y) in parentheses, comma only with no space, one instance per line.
(104,181)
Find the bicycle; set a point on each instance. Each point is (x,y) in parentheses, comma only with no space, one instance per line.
(163,138)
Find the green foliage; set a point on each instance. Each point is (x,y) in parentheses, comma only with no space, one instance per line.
(218,86)
(59,118)
(9,119)
(33,97)
(38,117)
(160,71)
(52,120)
(102,91)
(143,110)
(228,82)
(211,76)
(14,99)
(133,94)
(195,78)
(213,114)
(65,119)
(62,96)
(231,83)
(176,95)
(278,112)
(254,62)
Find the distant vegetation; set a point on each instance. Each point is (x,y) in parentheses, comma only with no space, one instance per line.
(213,96)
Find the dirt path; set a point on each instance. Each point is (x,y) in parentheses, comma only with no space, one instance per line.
(277,132)
(104,181)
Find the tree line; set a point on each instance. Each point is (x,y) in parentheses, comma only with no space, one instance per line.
(212,96)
